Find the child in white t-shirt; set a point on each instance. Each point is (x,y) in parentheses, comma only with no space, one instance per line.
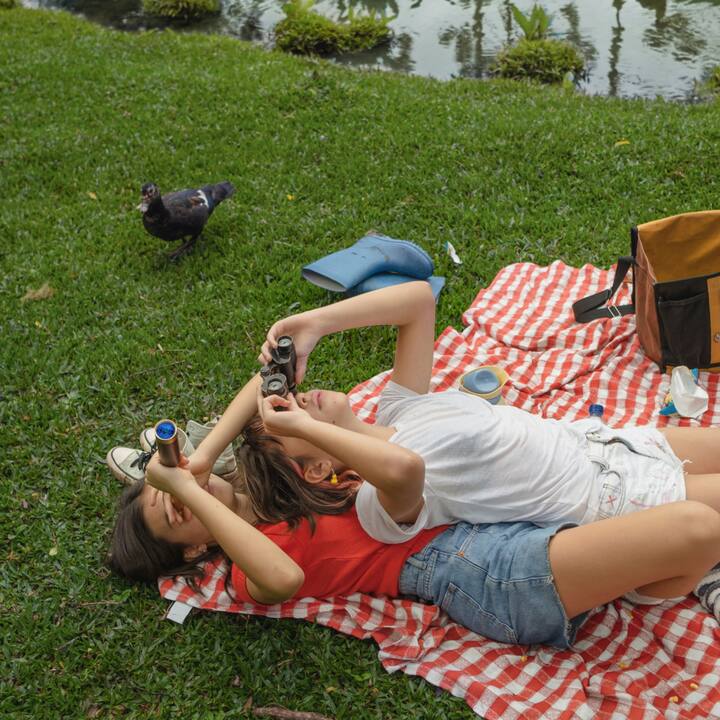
(480,462)
(496,463)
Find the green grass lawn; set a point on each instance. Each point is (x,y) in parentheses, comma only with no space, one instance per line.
(319,155)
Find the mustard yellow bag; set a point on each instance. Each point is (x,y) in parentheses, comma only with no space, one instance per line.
(675,265)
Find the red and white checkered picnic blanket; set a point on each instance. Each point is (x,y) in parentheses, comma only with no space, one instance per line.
(628,662)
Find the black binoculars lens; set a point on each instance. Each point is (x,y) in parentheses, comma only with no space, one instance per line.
(275,387)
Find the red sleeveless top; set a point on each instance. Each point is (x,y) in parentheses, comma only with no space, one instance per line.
(339,558)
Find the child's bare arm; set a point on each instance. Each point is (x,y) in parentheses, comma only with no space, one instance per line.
(237,415)
(272,576)
(410,306)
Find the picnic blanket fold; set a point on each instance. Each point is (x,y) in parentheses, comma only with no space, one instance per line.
(638,663)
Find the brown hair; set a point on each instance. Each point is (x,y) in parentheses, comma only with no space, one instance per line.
(276,490)
(135,553)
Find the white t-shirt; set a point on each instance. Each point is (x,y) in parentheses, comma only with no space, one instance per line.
(483,463)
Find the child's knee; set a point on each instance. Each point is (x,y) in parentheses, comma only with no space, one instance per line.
(699,525)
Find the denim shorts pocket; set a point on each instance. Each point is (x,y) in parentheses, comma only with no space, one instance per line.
(465,610)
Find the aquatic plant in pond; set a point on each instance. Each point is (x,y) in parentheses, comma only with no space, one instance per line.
(714,80)
(547,61)
(535,26)
(534,56)
(709,87)
(305,32)
(181,8)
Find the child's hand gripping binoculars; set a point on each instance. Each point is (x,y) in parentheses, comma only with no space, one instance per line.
(278,376)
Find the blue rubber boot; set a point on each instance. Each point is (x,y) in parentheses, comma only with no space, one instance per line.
(437,283)
(369,256)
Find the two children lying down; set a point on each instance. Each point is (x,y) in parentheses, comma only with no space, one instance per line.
(516,525)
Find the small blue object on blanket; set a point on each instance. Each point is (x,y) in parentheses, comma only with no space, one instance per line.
(372,255)
(485,382)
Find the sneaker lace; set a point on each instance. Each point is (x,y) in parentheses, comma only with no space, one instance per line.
(143,458)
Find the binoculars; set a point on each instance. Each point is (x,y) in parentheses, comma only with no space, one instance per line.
(278,376)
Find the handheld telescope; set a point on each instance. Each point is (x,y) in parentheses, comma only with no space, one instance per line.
(166,440)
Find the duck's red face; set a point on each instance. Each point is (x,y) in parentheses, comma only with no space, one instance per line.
(149,191)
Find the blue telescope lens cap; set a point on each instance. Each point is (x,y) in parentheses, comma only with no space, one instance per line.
(481,381)
(165,430)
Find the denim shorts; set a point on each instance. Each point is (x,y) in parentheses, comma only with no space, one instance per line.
(494,579)
(637,470)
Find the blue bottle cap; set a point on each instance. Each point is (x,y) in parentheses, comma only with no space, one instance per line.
(596,410)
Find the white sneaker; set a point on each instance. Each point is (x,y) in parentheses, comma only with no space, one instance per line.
(127,464)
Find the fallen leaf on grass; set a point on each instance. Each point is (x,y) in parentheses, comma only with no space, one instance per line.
(622,142)
(53,551)
(92,196)
(42,293)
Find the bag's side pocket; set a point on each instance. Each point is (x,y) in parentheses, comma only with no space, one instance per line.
(684,330)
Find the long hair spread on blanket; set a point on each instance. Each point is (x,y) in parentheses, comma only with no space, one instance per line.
(135,553)
(275,488)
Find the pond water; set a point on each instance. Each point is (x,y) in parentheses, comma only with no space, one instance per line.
(633,48)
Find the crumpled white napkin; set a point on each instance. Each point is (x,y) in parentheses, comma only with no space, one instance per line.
(689,398)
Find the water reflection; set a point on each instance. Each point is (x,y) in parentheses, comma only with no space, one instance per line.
(372,7)
(615,45)
(401,59)
(632,47)
(244,19)
(675,31)
(574,33)
(468,43)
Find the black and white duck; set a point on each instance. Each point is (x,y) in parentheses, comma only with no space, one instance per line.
(182,214)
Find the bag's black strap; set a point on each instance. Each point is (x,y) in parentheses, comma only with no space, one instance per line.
(591,307)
